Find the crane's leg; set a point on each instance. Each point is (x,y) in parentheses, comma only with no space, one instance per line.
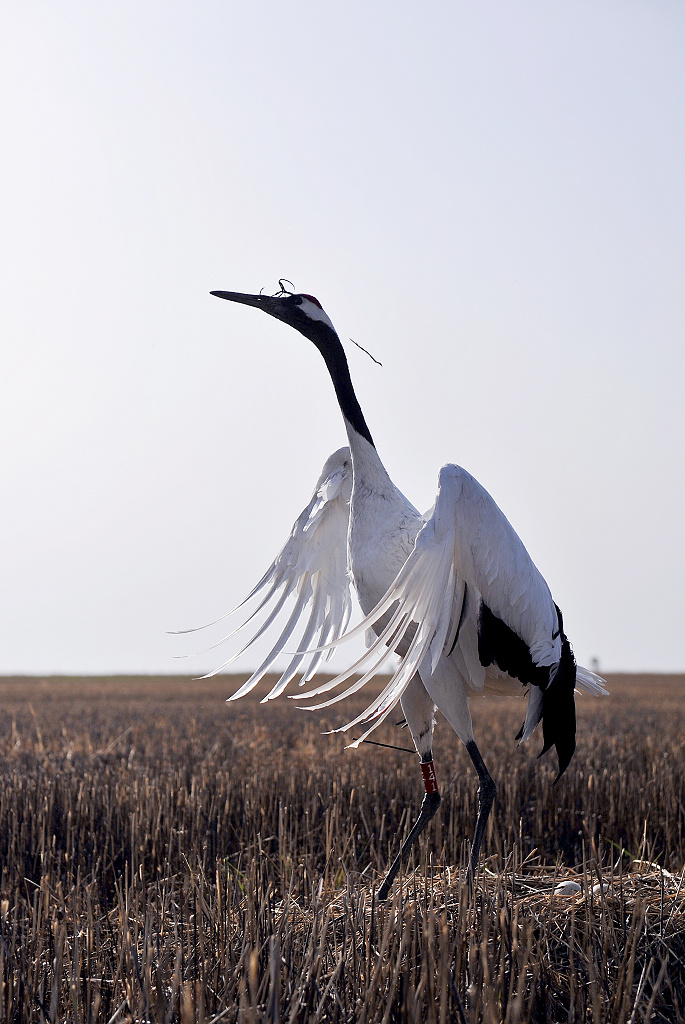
(419,710)
(486,796)
(448,688)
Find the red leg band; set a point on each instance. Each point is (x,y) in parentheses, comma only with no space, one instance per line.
(430,780)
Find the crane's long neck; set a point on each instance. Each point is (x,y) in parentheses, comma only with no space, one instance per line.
(369,471)
(336,361)
(383,524)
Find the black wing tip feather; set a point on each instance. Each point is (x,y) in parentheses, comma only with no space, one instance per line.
(499,644)
(559,709)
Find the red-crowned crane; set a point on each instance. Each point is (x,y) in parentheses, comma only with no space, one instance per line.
(454,593)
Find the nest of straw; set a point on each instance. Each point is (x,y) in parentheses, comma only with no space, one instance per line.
(644,890)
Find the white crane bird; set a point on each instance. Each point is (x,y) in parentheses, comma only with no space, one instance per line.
(454,593)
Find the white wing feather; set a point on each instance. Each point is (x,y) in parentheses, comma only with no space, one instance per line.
(466,544)
(312,565)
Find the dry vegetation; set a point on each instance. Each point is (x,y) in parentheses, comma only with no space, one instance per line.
(167,857)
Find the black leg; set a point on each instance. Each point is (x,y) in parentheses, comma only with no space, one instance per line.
(486,796)
(429,806)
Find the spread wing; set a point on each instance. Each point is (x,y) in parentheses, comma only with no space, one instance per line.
(469,592)
(312,566)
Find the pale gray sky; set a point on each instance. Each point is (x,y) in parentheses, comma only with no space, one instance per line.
(488,196)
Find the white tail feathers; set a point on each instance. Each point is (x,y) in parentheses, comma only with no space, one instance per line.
(590,682)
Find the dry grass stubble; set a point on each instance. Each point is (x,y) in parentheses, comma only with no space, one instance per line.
(166,857)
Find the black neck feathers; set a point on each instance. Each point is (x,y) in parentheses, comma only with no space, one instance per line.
(330,347)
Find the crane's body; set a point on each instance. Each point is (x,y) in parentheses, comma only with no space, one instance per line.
(383,525)
(453,593)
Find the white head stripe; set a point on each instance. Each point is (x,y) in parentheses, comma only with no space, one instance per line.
(315,312)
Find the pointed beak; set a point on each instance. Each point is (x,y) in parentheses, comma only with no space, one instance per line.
(269,303)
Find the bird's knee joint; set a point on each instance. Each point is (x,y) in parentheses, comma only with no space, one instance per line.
(487,790)
(431,802)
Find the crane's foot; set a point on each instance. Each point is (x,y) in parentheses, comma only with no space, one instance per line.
(429,806)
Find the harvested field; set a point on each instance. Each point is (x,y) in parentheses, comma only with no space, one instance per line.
(168,857)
